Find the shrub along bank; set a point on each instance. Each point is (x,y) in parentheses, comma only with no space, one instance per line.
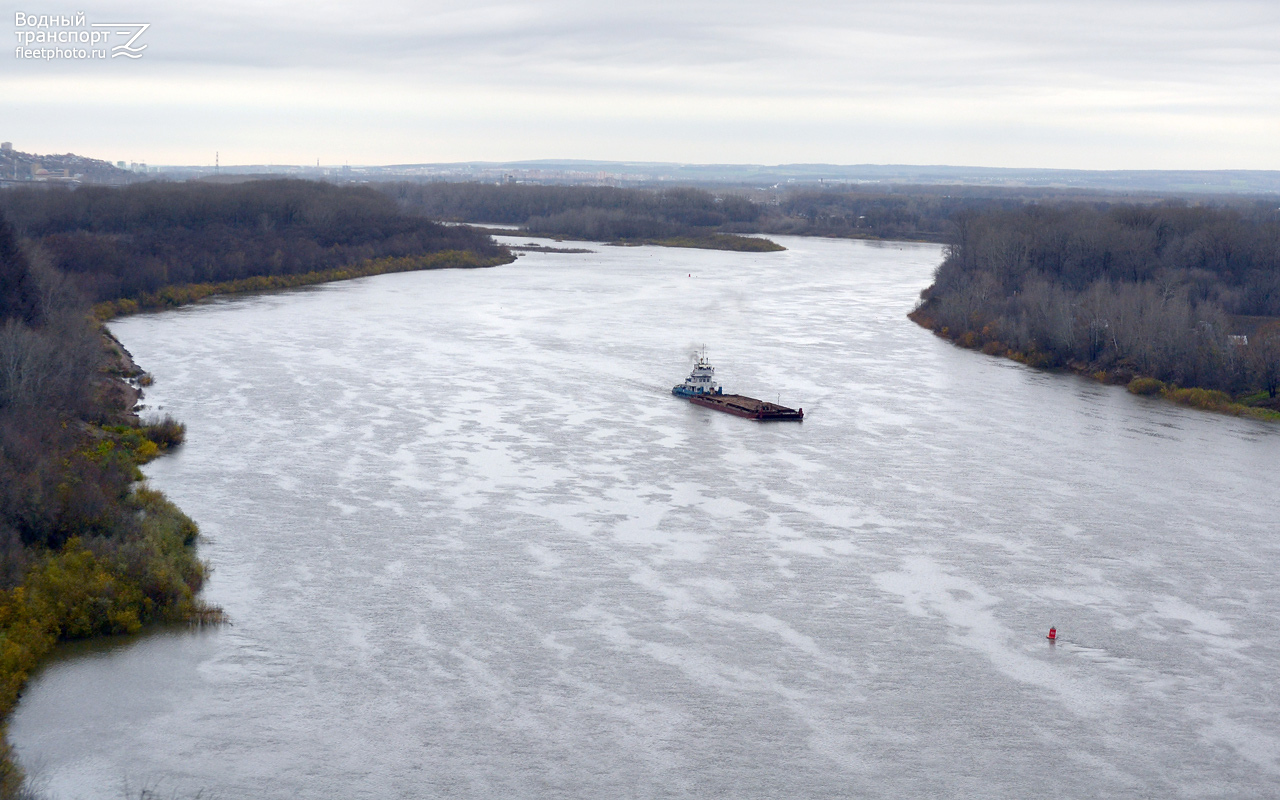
(86,549)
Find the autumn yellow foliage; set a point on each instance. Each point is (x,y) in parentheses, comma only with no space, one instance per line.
(174,296)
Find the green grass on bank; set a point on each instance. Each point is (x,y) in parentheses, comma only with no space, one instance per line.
(1193,397)
(1205,399)
(97,586)
(174,296)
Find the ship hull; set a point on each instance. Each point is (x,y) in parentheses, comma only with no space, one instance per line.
(748,407)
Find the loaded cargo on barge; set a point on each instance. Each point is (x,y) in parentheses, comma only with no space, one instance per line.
(748,407)
(701,389)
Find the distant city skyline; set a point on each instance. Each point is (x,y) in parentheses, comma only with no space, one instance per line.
(1171,85)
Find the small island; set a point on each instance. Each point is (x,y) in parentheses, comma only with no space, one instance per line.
(678,217)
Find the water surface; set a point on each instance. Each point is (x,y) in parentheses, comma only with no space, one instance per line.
(473,548)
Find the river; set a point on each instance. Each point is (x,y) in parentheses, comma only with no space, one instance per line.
(472,548)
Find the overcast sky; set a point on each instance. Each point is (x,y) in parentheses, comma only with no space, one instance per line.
(1124,84)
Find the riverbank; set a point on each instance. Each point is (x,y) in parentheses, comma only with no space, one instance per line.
(175,296)
(1257,405)
(116,556)
(121,557)
(132,562)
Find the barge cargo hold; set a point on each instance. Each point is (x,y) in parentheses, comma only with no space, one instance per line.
(748,407)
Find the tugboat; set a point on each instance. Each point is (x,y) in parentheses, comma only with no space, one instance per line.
(701,389)
(702,381)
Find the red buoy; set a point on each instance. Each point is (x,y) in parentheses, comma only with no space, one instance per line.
(1053,634)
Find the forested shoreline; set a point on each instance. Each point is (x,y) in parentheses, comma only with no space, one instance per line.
(1167,298)
(86,548)
(120,243)
(653,215)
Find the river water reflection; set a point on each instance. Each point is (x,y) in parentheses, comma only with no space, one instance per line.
(473,548)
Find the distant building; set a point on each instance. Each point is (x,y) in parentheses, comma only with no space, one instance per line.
(43,175)
(6,147)
(121,164)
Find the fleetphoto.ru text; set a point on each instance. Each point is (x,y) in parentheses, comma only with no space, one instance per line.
(58,37)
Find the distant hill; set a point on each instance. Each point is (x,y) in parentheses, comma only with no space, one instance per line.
(1168,183)
(17,167)
(69,167)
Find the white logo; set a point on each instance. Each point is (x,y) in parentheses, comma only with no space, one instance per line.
(63,36)
(127,49)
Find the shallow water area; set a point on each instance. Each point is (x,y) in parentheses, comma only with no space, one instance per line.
(472,547)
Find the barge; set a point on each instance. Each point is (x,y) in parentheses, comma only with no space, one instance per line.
(701,389)
(748,407)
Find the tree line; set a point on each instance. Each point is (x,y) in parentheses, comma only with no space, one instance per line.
(607,213)
(912,213)
(123,242)
(1188,295)
(599,213)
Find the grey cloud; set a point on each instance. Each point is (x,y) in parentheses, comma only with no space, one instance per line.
(888,72)
(1140,39)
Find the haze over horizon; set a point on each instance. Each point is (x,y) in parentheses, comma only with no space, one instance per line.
(1139,85)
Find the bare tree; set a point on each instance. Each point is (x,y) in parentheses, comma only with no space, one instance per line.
(1264,358)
